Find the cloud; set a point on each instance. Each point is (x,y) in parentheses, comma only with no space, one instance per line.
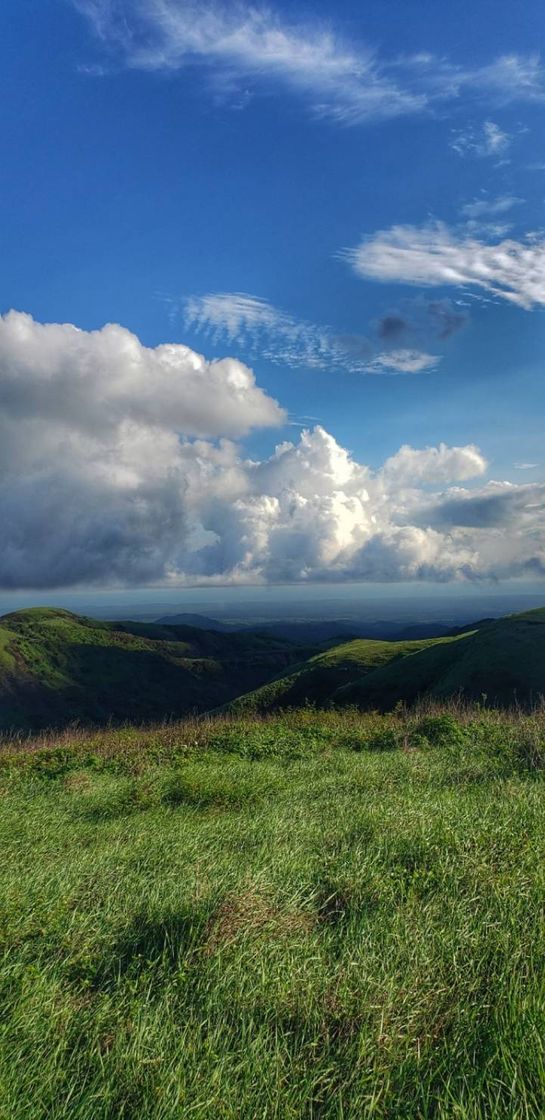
(92,478)
(421,319)
(235,314)
(435,464)
(259,328)
(506,79)
(446,317)
(510,77)
(500,506)
(488,140)
(102,378)
(393,327)
(312,512)
(116,468)
(239,44)
(262,330)
(490,207)
(525,466)
(403,361)
(436,256)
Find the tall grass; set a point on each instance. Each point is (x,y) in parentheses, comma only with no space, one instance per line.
(318,915)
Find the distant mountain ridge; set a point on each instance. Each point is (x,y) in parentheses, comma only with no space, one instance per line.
(317,630)
(200,621)
(320,679)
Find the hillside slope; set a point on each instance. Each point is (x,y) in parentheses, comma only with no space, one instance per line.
(319,679)
(502,662)
(57,667)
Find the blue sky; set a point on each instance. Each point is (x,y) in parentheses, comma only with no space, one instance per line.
(348,199)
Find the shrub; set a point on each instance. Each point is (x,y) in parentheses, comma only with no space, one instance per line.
(387,739)
(441,731)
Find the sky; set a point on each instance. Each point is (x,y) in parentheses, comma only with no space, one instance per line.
(272,294)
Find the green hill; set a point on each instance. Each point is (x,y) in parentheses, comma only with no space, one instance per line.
(56,668)
(319,679)
(502,662)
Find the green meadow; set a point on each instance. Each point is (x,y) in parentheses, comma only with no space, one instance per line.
(313,915)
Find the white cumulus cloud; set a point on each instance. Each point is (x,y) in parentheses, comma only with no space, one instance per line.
(106,377)
(92,476)
(118,466)
(435,465)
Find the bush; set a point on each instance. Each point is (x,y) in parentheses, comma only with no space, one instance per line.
(387,739)
(441,731)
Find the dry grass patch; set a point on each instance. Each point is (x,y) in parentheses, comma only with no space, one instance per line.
(251,913)
(79,781)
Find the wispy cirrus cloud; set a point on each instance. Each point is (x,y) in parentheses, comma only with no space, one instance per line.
(490,207)
(238,316)
(482,141)
(403,361)
(236,44)
(506,79)
(260,329)
(435,255)
(242,41)
(510,77)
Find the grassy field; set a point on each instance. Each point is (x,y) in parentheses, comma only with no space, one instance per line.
(318,915)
